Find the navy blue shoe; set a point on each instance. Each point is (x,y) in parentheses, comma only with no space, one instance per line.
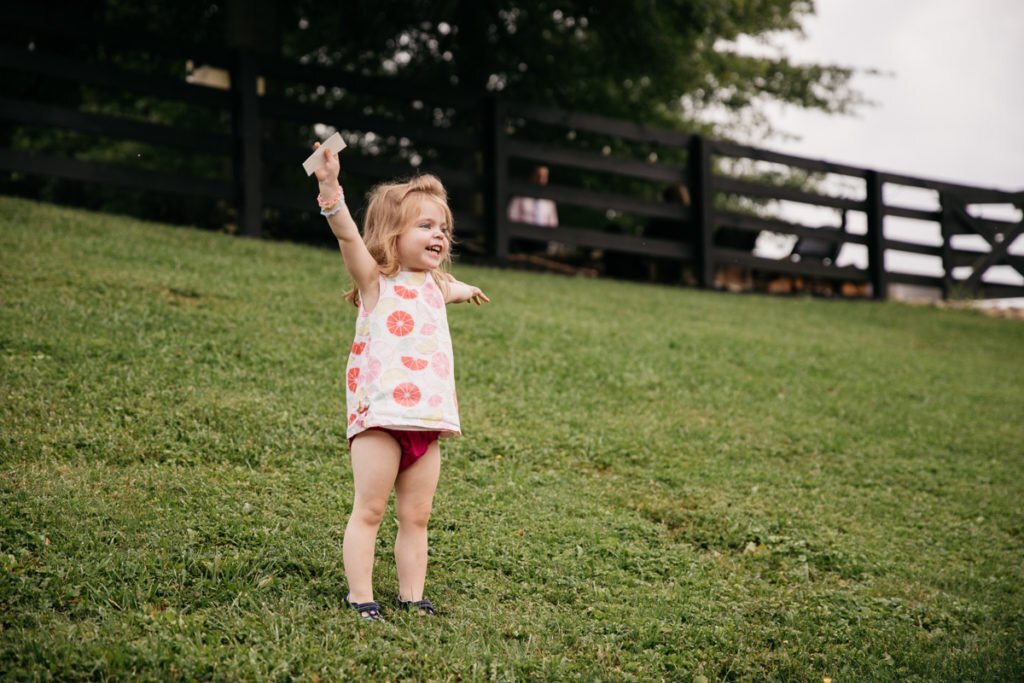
(425,608)
(369,611)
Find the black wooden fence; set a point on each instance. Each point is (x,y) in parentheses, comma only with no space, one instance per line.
(717,205)
(604,171)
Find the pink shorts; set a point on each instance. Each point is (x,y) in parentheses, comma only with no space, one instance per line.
(414,443)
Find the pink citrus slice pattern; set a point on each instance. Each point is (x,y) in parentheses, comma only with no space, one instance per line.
(405,292)
(435,400)
(414,363)
(373,368)
(358,347)
(400,323)
(407,394)
(432,296)
(353,375)
(440,364)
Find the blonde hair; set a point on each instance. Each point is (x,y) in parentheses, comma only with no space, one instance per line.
(390,208)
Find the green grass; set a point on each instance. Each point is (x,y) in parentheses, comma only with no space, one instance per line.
(654,483)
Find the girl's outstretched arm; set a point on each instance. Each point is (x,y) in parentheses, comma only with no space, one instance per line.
(460,292)
(361,266)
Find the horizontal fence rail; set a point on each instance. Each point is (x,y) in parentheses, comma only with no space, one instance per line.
(609,177)
(713,212)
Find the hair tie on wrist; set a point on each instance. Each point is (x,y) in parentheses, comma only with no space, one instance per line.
(334,207)
(330,202)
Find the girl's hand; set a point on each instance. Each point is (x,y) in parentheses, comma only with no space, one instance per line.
(459,292)
(328,173)
(476,296)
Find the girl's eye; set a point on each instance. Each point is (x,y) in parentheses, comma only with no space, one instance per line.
(444,230)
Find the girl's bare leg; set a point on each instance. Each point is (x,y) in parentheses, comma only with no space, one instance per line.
(414,498)
(375,457)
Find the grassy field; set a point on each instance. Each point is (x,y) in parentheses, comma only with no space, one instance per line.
(654,483)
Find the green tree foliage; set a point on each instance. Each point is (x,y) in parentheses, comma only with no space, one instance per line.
(665,62)
(670,63)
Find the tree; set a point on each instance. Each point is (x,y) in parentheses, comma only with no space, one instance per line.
(664,62)
(668,63)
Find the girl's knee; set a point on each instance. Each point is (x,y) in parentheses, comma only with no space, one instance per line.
(414,516)
(368,514)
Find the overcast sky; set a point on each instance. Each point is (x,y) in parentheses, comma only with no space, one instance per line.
(951,106)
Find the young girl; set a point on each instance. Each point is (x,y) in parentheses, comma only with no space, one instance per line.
(400,379)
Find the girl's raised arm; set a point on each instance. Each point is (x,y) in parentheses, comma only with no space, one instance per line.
(361,265)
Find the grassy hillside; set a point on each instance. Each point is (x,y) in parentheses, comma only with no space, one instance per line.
(654,483)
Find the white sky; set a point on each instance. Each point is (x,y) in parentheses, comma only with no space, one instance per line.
(951,106)
(954,105)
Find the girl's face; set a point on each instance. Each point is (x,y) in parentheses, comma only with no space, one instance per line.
(424,242)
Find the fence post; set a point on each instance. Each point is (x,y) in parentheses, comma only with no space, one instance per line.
(248,167)
(876,236)
(495,178)
(701,198)
(946,226)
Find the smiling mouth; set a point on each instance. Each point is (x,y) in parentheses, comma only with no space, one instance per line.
(434,249)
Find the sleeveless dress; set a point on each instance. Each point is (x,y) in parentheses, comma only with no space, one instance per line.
(400,372)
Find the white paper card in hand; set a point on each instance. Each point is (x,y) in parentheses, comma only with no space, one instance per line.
(316,159)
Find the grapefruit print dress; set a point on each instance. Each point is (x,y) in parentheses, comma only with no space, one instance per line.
(400,373)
